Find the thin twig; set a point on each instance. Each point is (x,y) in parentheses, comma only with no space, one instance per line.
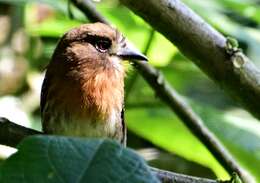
(134,74)
(89,11)
(177,104)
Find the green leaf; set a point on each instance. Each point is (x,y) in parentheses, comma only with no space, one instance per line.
(238,132)
(163,128)
(62,159)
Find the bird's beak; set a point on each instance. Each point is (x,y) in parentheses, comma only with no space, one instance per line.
(129,52)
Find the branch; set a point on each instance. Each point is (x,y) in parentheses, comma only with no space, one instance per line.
(206,47)
(11,134)
(168,95)
(89,10)
(171,177)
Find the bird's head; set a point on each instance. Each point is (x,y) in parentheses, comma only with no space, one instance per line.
(95,46)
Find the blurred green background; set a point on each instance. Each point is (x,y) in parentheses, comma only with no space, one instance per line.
(30,29)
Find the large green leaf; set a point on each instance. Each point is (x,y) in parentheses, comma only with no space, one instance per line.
(62,159)
(162,128)
(239,132)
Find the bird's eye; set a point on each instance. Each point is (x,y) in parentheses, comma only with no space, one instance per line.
(103,45)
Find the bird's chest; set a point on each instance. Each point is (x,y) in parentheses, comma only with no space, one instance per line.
(66,123)
(87,126)
(91,109)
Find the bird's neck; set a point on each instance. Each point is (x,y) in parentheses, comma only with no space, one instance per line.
(103,91)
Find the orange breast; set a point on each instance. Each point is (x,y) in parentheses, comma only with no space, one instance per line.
(90,105)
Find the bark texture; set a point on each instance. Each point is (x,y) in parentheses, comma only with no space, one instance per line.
(206,47)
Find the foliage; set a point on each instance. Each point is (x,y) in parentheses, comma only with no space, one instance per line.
(145,114)
(60,159)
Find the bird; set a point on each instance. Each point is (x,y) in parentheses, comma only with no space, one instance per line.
(82,93)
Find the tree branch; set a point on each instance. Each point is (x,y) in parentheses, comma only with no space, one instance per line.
(171,177)
(89,10)
(171,97)
(206,47)
(11,134)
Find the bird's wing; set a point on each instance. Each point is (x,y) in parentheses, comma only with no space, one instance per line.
(44,91)
(124,129)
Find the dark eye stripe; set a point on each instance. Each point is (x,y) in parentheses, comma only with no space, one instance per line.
(94,38)
(101,43)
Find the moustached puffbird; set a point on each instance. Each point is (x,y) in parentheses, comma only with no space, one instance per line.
(83,89)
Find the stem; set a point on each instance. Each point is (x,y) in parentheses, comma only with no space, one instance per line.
(134,76)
